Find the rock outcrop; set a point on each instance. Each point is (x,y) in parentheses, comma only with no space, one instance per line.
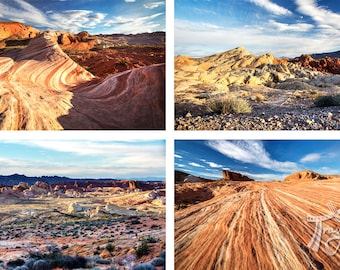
(42,88)
(264,225)
(234,176)
(16,30)
(306,175)
(326,64)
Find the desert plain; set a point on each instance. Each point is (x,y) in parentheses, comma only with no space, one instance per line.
(116,224)
(236,223)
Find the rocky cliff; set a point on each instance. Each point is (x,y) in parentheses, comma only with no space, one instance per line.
(234,176)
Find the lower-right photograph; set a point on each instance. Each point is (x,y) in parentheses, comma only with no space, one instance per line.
(257,204)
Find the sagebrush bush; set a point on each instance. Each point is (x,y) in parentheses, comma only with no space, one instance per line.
(110,247)
(327,101)
(144,266)
(228,105)
(142,249)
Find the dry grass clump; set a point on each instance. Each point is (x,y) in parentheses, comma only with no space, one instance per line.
(260,98)
(228,105)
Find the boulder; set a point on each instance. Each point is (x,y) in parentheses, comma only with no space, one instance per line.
(21,186)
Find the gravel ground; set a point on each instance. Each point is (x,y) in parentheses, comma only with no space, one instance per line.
(266,118)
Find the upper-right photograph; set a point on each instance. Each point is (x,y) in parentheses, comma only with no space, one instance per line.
(257,65)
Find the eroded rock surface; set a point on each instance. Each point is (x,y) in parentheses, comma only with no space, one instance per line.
(255,225)
(266,83)
(42,88)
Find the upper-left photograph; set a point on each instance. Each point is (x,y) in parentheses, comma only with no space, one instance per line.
(82,65)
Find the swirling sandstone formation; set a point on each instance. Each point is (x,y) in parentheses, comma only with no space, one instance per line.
(258,225)
(42,88)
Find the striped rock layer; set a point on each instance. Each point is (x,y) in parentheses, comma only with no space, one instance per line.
(254,225)
(42,88)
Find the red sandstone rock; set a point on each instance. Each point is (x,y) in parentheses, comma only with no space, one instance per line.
(234,176)
(327,64)
(15,30)
(305,175)
(42,88)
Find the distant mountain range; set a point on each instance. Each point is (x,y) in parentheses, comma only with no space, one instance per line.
(318,56)
(14,179)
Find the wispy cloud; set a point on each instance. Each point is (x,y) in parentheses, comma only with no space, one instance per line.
(271,7)
(313,157)
(296,27)
(258,40)
(73,20)
(196,165)
(178,156)
(325,18)
(21,11)
(133,25)
(114,159)
(252,152)
(212,164)
(154,5)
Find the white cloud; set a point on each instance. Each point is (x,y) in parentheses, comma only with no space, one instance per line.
(212,164)
(154,5)
(70,20)
(73,20)
(133,25)
(188,40)
(296,27)
(180,165)
(19,10)
(178,156)
(322,16)
(196,165)
(271,7)
(130,1)
(313,157)
(252,152)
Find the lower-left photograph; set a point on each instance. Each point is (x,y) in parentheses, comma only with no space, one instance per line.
(70,204)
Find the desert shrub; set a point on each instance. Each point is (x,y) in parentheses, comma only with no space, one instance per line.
(228,105)
(149,239)
(56,259)
(18,262)
(158,261)
(110,247)
(142,249)
(327,101)
(144,266)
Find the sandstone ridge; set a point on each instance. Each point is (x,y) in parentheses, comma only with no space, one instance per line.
(42,88)
(306,175)
(265,219)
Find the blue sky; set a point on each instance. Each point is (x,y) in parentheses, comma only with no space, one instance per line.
(281,27)
(94,16)
(84,158)
(260,160)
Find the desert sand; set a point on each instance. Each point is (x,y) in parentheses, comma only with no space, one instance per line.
(257,225)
